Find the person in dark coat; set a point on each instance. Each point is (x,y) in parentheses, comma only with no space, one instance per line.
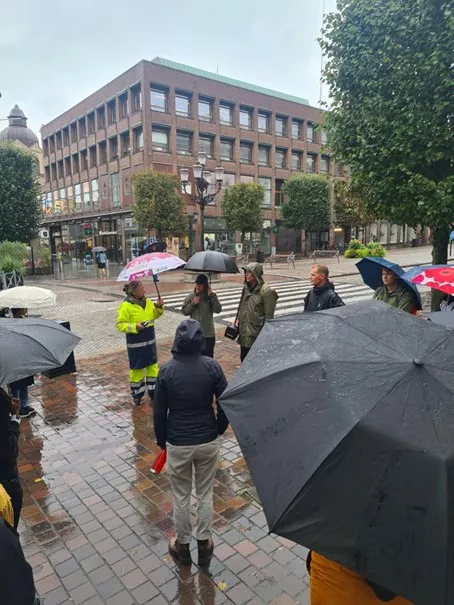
(322,295)
(187,425)
(9,435)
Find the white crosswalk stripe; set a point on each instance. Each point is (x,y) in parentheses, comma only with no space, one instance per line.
(291,298)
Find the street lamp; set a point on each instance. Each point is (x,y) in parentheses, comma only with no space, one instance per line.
(202,180)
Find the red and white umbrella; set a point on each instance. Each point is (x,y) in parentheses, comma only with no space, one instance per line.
(439,277)
(149,265)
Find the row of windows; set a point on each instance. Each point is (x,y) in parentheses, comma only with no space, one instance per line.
(184,144)
(105,151)
(95,120)
(131,102)
(85,196)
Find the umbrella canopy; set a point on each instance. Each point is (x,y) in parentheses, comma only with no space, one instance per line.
(345,418)
(444,318)
(211,261)
(31,346)
(150,264)
(371,268)
(98,249)
(27,297)
(440,277)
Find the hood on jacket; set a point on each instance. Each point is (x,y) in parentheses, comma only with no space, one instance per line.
(257,271)
(188,337)
(328,286)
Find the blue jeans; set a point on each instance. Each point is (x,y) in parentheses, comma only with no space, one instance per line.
(20,392)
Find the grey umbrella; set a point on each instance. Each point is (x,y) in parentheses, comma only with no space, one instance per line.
(346,420)
(211,261)
(31,346)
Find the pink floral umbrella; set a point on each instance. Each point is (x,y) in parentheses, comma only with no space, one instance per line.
(439,278)
(149,265)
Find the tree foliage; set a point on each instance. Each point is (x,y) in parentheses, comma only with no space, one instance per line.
(20,209)
(349,206)
(242,207)
(158,204)
(307,204)
(391,83)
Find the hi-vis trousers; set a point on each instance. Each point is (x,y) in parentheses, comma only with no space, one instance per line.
(143,380)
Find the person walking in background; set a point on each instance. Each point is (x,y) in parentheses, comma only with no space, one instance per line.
(101,259)
(200,305)
(322,295)
(186,424)
(394,293)
(136,316)
(9,450)
(19,388)
(257,304)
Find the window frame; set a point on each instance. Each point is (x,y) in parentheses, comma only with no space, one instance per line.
(209,103)
(249,112)
(310,128)
(121,105)
(100,113)
(103,152)
(91,123)
(313,157)
(125,136)
(90,152)
(113,147)
(299,155)
(154,88)
(284,121)
(231,143)
(250,147)
(266,116)
(158,147)
(267,197)
(111,115)
(136,137)
(230,108)
(188,99)
(185,134)
(136,93)
(277,152)
(267,149)
(299,125)
(206,137)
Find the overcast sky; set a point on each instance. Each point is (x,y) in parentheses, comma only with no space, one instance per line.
(55,52)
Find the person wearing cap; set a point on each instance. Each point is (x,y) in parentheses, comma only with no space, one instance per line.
(136,316)
(201,305)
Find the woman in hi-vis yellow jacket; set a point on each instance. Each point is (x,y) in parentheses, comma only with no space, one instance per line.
(136,316)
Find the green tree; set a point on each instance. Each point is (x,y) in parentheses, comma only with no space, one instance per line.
(242,208)
(307,204)
(349,207)
(158,204)
(391,84)
(20,209)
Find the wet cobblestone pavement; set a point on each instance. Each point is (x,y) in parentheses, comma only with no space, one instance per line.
(96,522)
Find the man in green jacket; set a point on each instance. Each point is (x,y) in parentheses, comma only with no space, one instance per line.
(200,305)
(394,292)
(258,303)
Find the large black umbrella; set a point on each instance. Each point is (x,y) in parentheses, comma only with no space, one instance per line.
(211,261)
(31,346)
(346,420)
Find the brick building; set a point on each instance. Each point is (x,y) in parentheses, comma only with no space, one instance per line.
(158,115)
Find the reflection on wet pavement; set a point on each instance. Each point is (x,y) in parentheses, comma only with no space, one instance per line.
(95,521)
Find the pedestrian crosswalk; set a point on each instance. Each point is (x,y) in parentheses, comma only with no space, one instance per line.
(291,298)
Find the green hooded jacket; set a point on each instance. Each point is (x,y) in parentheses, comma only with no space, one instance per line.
(257,305)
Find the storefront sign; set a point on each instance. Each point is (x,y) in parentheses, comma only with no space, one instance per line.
(107,233)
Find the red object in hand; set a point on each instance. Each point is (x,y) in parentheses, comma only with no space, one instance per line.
(158,464)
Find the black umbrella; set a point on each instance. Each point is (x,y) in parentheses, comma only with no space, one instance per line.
(346,420)
(211,261)
(445,318)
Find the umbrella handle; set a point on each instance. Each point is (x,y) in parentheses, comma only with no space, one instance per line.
(155,279)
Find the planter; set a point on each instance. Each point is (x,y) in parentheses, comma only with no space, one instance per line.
(10,280)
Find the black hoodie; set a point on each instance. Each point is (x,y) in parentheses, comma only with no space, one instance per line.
(183,410)
(324,297)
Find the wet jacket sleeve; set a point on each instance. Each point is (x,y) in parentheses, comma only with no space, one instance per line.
(336,301)
(157,311)
(220,384)
(269,303)
(188,306)
(406,302)
(124,323)
(215,304)
(306,301)
(160,410)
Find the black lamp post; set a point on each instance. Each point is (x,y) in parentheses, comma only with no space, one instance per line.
(202,180)
(192,218)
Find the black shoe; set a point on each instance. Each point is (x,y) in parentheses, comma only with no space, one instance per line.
(27,411)
(180,552)
(205,548)
(137,400)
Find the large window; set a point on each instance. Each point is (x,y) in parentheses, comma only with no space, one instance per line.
(297,129)
(58,140)
(82,128)
(123,105)
(93,158)
(95,193)
(206,145)
(245,118)
(136,98)
(102,152)
(91,122)
(53,169)
(68,166)
(52,142)
(246,153)
(264,122)
(158,99)
(73,134)
(78,196)
(65,137)
(324,164)
(226,114)
(280,157)
(184,143)
(311,133)
(281,126)
(324,137)
(183,105)
(205,110)
(86,194)
(113,148)
(125,144)
(310,162)
(115,189)
(76,163)
(47,173)
(279,192)
(138,139)
(60,169)
(84,159)
(264,155)
(160,139)
(296,160)
(266,184)
(101,117)
(112,111)
(226,149)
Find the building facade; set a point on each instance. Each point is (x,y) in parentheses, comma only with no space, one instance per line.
(158,115)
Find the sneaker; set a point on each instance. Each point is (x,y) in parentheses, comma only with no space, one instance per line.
(180,552)
(27,411)
(205,548)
